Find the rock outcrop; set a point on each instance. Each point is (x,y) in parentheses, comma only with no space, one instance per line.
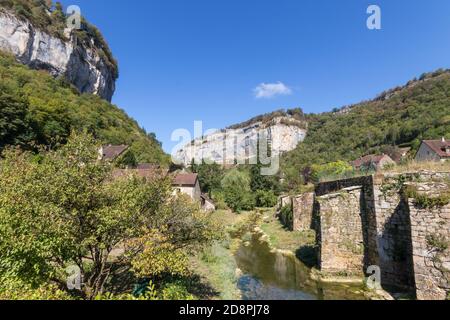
(240,145)
(81,65)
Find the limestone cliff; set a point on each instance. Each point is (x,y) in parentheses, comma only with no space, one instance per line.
(81,63)
(240,143)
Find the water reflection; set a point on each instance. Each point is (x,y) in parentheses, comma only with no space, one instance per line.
(274,275)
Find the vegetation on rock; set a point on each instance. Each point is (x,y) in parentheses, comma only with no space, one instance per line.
(51,18)
(36,109)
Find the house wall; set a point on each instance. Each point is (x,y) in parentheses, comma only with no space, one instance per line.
(425,153)
(193,192)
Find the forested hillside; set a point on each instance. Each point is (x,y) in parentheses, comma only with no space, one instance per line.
(399,117)
(36,109)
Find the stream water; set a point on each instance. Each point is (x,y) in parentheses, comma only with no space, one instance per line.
(273,275)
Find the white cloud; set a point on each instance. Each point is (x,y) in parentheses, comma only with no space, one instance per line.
(270,90)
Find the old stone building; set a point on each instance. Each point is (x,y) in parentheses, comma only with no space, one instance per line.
(433,150)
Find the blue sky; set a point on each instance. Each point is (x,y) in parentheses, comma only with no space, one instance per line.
(182,61)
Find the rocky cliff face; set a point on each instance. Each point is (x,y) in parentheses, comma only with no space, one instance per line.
(231,146)
(83,66)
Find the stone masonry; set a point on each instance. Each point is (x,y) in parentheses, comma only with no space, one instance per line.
(302,208)
(369,221)
(430,244)
(341,236)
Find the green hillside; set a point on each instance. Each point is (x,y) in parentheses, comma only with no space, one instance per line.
(36,109)
(399,117)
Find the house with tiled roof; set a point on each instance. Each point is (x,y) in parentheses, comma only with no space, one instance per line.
(112,152)
(433,150)
(372,162)
(187,183)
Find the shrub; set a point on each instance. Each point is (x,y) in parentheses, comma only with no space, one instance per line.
(287,215)
(236,186)
(266,199)
(219,200)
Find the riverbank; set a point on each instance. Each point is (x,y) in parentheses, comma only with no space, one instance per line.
(259,258)
(216,264)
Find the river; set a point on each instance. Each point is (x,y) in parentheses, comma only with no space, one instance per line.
(275,275)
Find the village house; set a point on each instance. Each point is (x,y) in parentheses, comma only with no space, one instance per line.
(372,162)
(112,152)
(188,184)
(433,150)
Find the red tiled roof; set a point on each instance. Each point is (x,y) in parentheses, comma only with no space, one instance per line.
(440,147)
(111,152)
(148,166)
(185,179)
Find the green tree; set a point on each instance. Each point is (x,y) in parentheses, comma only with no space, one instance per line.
(210,177)
(261,182)
(15,127)
(237,191)
(64,208)
(265,199)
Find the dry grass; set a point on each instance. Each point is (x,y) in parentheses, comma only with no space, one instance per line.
(414,166)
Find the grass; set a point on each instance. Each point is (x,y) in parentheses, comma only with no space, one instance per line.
(217,267)
(414,166)
(283,239)
(216,264)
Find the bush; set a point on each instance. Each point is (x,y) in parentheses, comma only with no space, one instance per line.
(238,195)
(331,170)
(248,202)
(266,199)
(219,200)
(287,215)
(176,291)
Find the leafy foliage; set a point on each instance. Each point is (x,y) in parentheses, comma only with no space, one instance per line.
(265,199)
(236,188)
(210,176)
(63,208)
(287,215)
(330,170)
(39,110)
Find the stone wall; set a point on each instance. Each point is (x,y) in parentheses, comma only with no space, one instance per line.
(390,229)
(373,213)
(302,207)
(430,246)
(341,235)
